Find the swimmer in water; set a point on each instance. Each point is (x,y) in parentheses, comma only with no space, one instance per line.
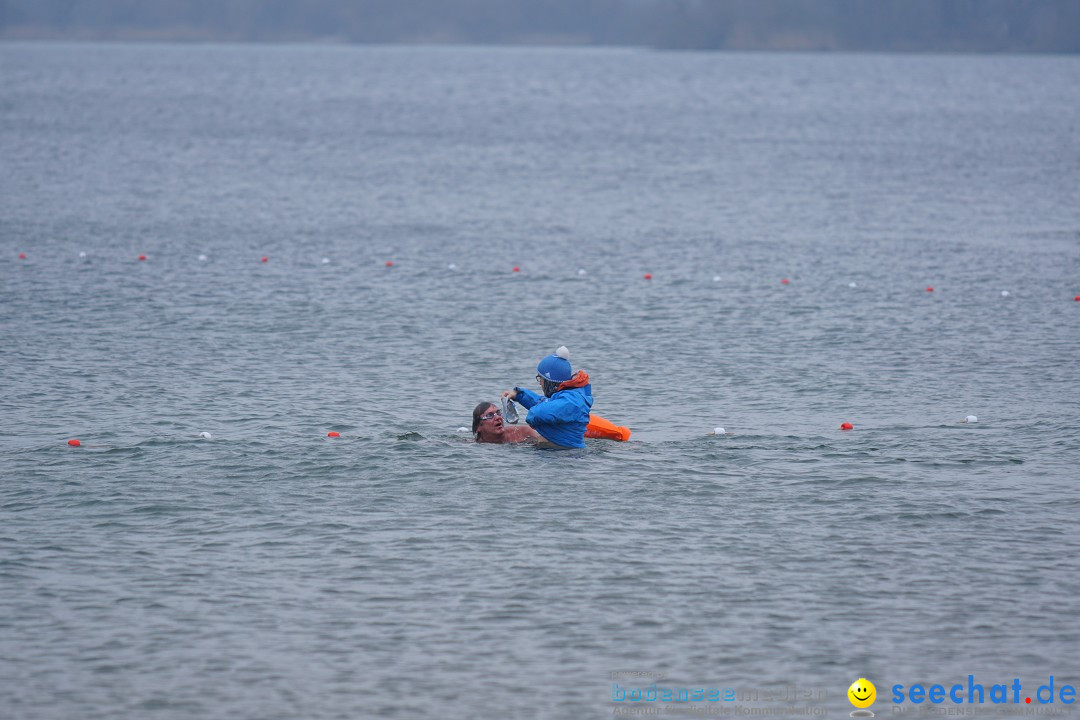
(488,427)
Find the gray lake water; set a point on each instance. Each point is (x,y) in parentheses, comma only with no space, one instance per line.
(404,571)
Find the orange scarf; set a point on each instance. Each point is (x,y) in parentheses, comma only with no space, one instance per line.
(580,379)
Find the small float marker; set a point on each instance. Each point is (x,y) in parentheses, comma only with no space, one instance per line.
(1077,298)
(648,276)
(1004,293)
(202,258)
(970,419)
(325,261)
(853,285)
(517,269)
(333,433)
(22,256)
(719,431)
(82,255)
(581,271)
(929,289)
(785,281)
(451,266)
(264,259)
(846,426)
(74,443)
(142,258)
(463,430)
(389,263)
(205,435)
(716,278)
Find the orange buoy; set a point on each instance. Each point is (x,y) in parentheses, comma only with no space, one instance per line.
(333,433)
(74,443)
(847,426)
(598,427)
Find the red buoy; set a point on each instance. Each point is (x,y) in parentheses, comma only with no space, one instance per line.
(846,426)
(22,256)
(929,289)
(1077,298)
(333,433)
(517,269)
(648,276)
(74,443)
(264,259)
(142,257)
(389,263)
(785,281)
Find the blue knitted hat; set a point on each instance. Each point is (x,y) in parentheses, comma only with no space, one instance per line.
(556,367)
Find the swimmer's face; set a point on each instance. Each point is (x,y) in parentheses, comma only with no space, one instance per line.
(490,425)
(862,693)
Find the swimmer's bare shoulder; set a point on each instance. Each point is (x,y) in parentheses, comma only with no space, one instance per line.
(520,433)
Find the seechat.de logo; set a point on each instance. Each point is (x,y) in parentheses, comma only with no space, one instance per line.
(976,694)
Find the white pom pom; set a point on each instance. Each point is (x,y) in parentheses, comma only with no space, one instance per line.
(563,352)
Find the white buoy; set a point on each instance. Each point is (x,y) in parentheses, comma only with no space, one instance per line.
(451,266)
(463,429)
(581,271)
(325,261)
(205,435)
(971,419)
(82,255)
(716,278)
(853,284)
(202,258)
(1004,293)
(719,431)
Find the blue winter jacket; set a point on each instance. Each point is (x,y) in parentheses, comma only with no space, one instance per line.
(562,418)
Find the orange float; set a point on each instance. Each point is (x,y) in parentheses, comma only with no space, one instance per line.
(605,429)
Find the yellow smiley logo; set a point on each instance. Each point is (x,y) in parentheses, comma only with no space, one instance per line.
(862,693)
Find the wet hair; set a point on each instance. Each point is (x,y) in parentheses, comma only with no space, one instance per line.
(477,412)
